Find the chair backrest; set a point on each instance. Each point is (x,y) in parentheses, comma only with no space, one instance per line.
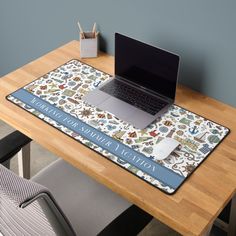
(27,208)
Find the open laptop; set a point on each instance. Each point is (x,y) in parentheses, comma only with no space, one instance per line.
(144,84)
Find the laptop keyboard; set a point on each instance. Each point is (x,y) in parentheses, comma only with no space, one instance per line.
(133,96)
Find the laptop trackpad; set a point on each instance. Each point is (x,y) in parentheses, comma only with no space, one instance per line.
(95,97)
(117,107)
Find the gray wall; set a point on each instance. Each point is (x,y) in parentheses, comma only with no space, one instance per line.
(202,32)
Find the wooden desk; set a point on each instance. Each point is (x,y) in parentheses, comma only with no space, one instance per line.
(195,205)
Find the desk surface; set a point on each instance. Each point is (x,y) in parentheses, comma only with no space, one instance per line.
(195,205)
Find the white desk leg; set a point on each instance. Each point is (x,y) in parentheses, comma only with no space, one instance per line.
(24,161)
(232,218)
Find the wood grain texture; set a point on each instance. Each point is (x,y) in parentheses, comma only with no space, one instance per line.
(195,205)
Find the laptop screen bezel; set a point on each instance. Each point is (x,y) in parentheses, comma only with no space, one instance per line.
(117,75)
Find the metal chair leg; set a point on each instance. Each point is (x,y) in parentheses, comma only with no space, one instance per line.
(24,161)
(6,164)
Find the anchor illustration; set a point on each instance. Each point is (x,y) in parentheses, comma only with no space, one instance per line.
(96,84)
(193,130)
(126,127)
(209,123)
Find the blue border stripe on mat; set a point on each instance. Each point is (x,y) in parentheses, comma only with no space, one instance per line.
(113,146)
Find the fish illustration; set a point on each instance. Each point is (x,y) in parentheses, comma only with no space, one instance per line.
(142,139)
(72,101)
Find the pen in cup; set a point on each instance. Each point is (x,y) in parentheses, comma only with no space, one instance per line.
(94,30)
(81,30)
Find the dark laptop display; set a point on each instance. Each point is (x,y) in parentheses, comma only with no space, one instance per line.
(146,66)
(144,84)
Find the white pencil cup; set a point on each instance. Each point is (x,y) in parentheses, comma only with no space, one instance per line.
(88,45)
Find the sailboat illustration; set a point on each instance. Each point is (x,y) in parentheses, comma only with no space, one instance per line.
(118,135)
(201,137)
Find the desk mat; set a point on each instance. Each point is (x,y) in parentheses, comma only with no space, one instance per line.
(56,99)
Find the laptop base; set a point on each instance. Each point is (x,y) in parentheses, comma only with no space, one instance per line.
(124,111)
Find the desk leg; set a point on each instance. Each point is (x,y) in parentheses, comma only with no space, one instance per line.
(24,161)
(208,231)
(232,218)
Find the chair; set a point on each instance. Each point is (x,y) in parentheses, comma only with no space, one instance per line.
(16,143)
(61,200)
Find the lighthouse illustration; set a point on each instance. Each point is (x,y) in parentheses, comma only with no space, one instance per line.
(169,135)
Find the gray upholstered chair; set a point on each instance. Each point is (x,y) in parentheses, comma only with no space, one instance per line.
(60,200)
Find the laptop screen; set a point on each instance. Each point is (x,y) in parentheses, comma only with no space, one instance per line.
(145,65)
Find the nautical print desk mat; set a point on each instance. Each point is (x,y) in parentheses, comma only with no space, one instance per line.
(56,99)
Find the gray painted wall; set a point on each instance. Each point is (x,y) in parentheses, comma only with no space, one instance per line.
(202,32)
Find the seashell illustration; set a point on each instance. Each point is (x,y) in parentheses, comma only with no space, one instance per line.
(180,132)
(77,79)
(85,86)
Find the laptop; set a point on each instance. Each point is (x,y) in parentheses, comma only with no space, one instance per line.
(144,85)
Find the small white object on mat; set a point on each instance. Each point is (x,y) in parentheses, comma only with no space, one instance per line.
(164,148)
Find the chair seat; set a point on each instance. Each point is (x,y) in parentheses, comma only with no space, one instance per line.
(88,205)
